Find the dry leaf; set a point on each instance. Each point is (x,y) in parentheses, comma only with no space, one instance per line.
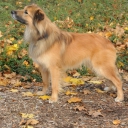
(11,75)
(27,94)
(39,93)
(70,93)
(74,100)
(79,108)
(95,113)
(28,126)
(76,81)
(76,74)
(116,122)
(86,92)
(99,91)
(15,82)
(26,115)
(14,90)
(32,122)
(45,97)
(95,82)
(67,79)
(73,81)
(26,63)
(3,82)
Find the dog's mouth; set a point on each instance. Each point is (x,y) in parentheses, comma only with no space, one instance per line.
(16,17)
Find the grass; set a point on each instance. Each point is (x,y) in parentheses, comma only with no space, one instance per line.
(83,16)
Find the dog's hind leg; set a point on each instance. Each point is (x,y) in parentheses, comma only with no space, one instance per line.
(109,71)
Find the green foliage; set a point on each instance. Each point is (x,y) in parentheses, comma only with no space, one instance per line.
(87,15)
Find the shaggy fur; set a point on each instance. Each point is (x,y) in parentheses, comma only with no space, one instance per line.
(56,51)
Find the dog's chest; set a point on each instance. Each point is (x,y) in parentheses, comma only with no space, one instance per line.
(38,56)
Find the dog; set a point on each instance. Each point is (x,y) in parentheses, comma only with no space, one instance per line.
(56,51)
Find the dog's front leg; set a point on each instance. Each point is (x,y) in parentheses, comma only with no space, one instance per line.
(55,80)
(46,79)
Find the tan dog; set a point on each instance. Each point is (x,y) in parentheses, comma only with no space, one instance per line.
(56,51)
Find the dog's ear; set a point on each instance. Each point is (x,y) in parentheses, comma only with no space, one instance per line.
(39,16)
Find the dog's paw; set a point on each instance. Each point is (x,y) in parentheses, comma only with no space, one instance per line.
(53,100)
(117,99)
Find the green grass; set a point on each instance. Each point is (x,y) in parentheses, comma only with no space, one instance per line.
(104,14)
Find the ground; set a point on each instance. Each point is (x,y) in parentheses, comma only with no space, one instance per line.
(97,109)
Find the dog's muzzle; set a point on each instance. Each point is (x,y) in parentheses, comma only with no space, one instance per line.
(16,17)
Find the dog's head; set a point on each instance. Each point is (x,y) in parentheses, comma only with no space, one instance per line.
(29,15)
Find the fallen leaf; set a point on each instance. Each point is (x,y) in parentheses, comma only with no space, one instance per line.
(91,18)
(39,93)
(116,122)
(15,82)
(99,91)
(74,100)
(14,90)
(79,108)
(76,74)
(32,122)
(28,126)
(86,92)
(26,63)
(67,79)
(70,93)
(10,75)
(45,97)
(76,81)
(95,113)
(95,82)
(108,34)
(3,82)
(27,94)
(26,115)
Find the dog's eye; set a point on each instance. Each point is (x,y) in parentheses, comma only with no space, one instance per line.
(26,12)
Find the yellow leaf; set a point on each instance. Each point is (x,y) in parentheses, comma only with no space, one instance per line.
(32,121)
(74,100)
(26,115)
(27,94)
(12,39)
(67,79)
(116,122)
(108,34)
(45,97)
(126,28)
(95,82)
(9,53)
(99,91)
(3,82)
(1,34)
(91,18)
(120,64)
(14,90)
(17,83)
(13,47)
(70,93)
(28,126)
(76,81)
(26,63)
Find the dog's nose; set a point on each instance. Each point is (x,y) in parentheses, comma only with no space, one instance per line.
(13,12)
